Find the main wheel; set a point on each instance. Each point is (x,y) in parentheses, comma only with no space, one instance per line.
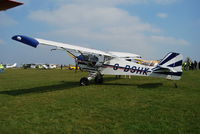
(99,79)
(84,81)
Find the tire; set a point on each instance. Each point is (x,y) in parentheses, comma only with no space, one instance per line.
(84,81)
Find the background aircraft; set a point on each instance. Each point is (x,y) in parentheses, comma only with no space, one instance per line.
(99,63)
(11,66)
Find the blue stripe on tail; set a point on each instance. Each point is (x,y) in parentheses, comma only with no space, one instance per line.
(176,64)
(171,56)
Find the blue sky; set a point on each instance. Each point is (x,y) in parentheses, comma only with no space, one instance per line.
(150,28)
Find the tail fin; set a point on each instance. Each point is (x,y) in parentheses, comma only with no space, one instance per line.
(170,66)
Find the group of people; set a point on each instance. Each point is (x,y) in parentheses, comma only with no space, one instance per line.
(191,65)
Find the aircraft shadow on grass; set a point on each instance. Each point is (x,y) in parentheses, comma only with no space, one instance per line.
(150,85)
(64,85)
(42,89)
(146,85)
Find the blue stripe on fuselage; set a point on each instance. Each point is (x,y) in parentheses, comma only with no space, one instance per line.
(170,73)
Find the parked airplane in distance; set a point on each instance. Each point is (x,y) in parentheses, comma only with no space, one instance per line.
(11,66)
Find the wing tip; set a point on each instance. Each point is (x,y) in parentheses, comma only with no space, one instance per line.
(26,40)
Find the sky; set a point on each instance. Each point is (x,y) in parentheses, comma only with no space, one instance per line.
(150,28)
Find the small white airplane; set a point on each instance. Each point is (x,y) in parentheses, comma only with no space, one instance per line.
(99,63)
(11,66)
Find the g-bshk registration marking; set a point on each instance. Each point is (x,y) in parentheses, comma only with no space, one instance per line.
(133,69)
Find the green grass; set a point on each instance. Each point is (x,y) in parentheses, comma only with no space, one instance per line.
(50,101)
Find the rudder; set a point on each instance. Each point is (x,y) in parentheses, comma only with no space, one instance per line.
(170,66)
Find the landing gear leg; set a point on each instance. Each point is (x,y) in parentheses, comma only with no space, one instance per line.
(99,79)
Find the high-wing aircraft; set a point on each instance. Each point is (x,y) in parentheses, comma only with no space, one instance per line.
(99,63)
(7,4)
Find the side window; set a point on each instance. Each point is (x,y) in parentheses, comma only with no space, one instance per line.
(128,59)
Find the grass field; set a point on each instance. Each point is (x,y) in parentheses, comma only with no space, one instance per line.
(50,101)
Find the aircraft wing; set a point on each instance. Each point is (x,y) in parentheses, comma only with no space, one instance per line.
(124,54)
(7,4)
(34,42)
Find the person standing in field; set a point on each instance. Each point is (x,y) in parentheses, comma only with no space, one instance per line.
(1,68)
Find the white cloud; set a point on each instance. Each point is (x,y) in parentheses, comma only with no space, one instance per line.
(162,15)
(6,20)
(115,2)
(107,26)
(109,18)
(165,2)
(102,2)
(169,40)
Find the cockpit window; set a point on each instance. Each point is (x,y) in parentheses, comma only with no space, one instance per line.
(128,59)
(93,58)
(86,57)
(147,63)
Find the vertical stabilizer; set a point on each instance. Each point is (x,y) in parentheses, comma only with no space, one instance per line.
(170,66)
